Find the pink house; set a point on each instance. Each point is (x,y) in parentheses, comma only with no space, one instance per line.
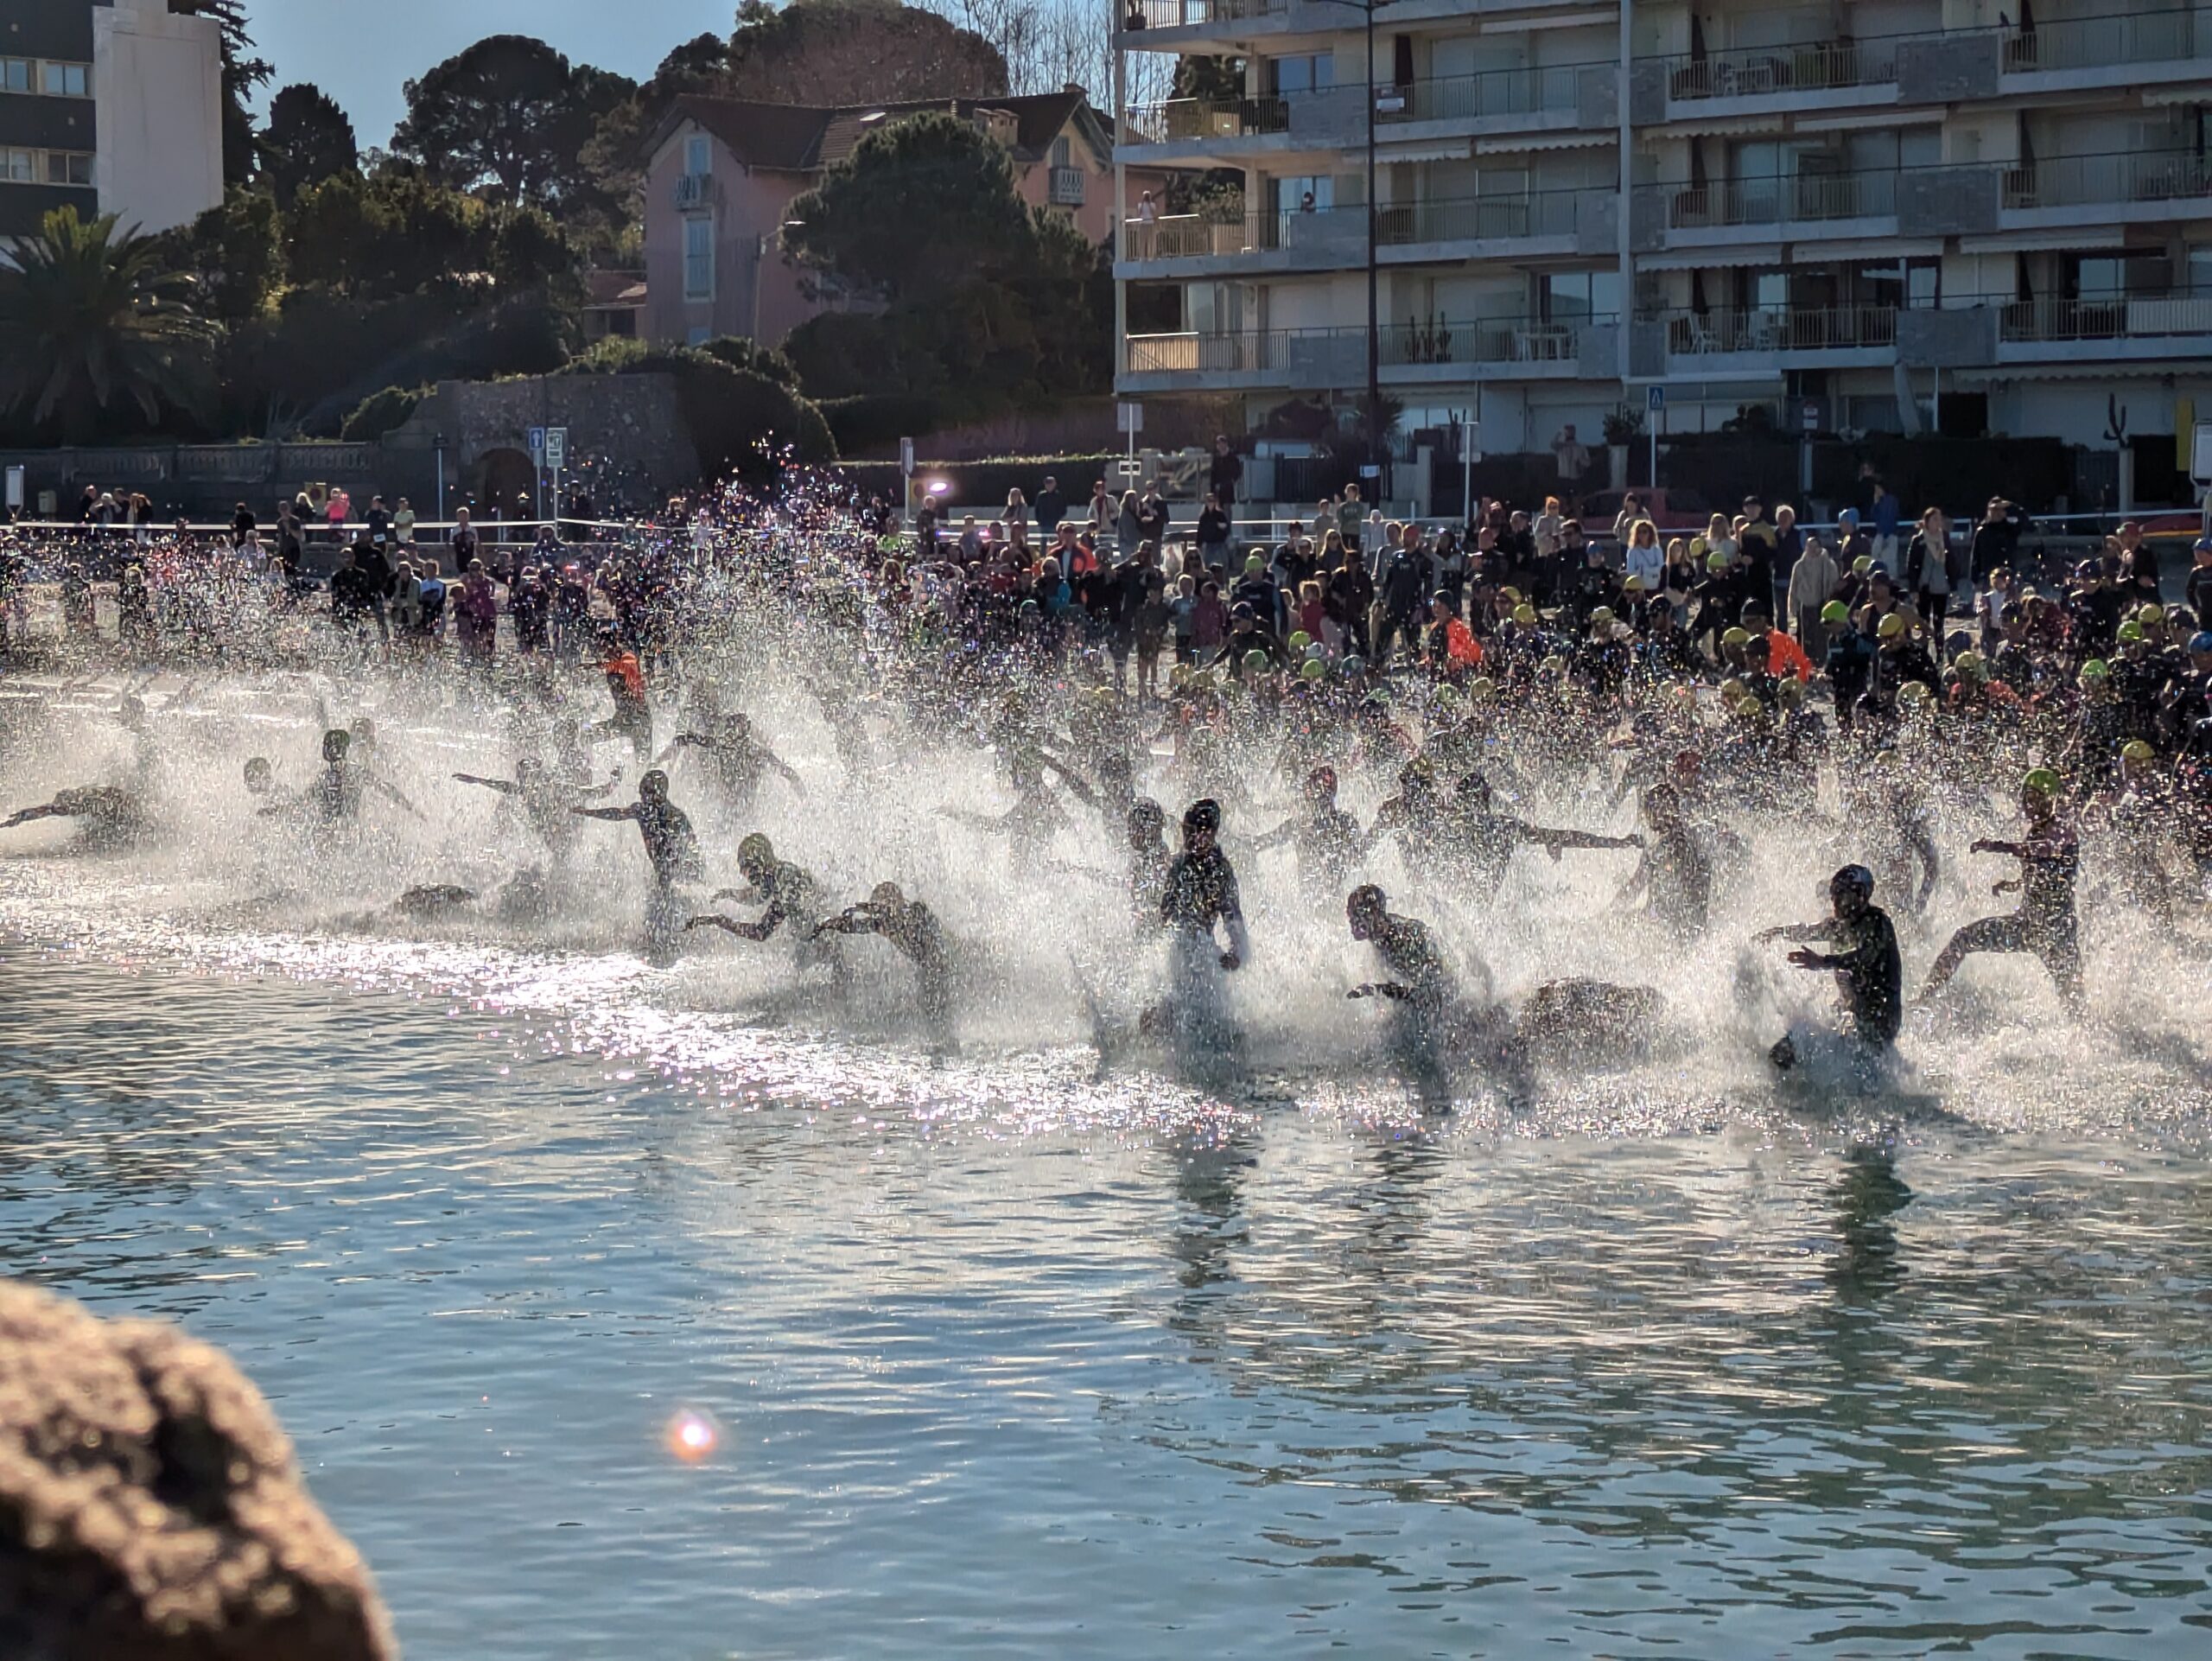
(721,174)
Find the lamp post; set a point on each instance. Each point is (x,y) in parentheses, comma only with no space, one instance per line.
(1374,415)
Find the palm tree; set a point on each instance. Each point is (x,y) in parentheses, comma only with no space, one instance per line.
(92,323)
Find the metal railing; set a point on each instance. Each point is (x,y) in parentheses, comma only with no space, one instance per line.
(1186,14)
(1818,66)
(1835,65)
(1065,187)
(1461,218)
(1780,328)
(2090,181)
(1488,93)
(1805,199)
(2116,317)
(1341,353)
(2104,42)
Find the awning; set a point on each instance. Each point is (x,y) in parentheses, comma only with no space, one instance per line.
(2085,238)
(1552,140)
(1885,251)
(2104,369)
(1453,152)
(1716,258)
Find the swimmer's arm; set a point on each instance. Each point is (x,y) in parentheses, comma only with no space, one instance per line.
(606,813)
(589,792)
(677,743)
(1797,932)
(1556,840)
(791,775)
(1275,838)
(384,789)
(1922,841)
(504,786)
(47,811)
(749,896)
(1639,881)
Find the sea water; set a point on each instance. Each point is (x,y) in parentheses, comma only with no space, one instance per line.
(620,1309)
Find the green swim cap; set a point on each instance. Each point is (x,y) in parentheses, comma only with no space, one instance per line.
(1255,662)
(1835,612)
(2130,631)
(1736,637)
(2040,781)
(755,849)
(1716,561)
(2096,669)
(1525,614)
(1300,641)
(2136,750)
(1313,669)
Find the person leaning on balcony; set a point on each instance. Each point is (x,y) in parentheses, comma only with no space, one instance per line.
(1148,224)
(1813,579)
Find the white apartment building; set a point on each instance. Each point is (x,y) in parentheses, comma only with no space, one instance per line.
(109,106)
(1866,215)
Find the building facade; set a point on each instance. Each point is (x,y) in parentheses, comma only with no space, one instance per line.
(720,175)
(1858,216)
(111,107)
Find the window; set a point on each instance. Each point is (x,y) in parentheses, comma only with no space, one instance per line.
(15,74)
(1291,194)
(698,334)
(1315,73)
(1578,296)
(2111,276)
(696,159)
(19,167)
(65,80)
(1063,152)
(698,257)
(68,168)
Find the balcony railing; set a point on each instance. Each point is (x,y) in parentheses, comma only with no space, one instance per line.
(1820,66)
(1805,199)
(1344,230)
(2116,317)
(1065,187)
(2104,42)
(1183,13)
(1780,328)
(2091,180)
(1447,97)
(1836,65)
(692,189)
(1323,355)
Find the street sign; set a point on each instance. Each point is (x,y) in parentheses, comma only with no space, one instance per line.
(16,490)
(557,447)
(1812,415)
(1655,398)
(906,456)
(537,445)
(1129,469)
(1131,417)
(2200,456)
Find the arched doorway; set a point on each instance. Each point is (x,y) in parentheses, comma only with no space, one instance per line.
(505,477)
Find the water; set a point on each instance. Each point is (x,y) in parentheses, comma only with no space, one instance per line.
(1005,1357)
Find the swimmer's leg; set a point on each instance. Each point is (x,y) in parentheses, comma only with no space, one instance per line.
(1990,934)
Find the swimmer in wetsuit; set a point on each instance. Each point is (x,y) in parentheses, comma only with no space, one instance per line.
(1676,872)
(739,758)
(787,891)
(1866,963)
(1201,896)
(1328,840)
(1420,988)
(542,799)
(1479,843)
(911,928)
(111,813)
(2051,858)
(337,791)
(670,843)
(1149,859)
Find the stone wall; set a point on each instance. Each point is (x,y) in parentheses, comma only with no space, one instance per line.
(628,442)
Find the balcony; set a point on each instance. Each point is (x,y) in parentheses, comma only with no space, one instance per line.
(1065,187)
(1335,238)
(1781,336)
(1765,72)
(2125,40)
(1807,198)
(1411,353)
(693,189)
(1332,118)
(2137,178)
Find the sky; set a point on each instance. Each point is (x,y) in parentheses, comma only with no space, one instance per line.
(361,51)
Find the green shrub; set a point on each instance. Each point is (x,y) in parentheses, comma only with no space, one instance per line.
(380,412)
